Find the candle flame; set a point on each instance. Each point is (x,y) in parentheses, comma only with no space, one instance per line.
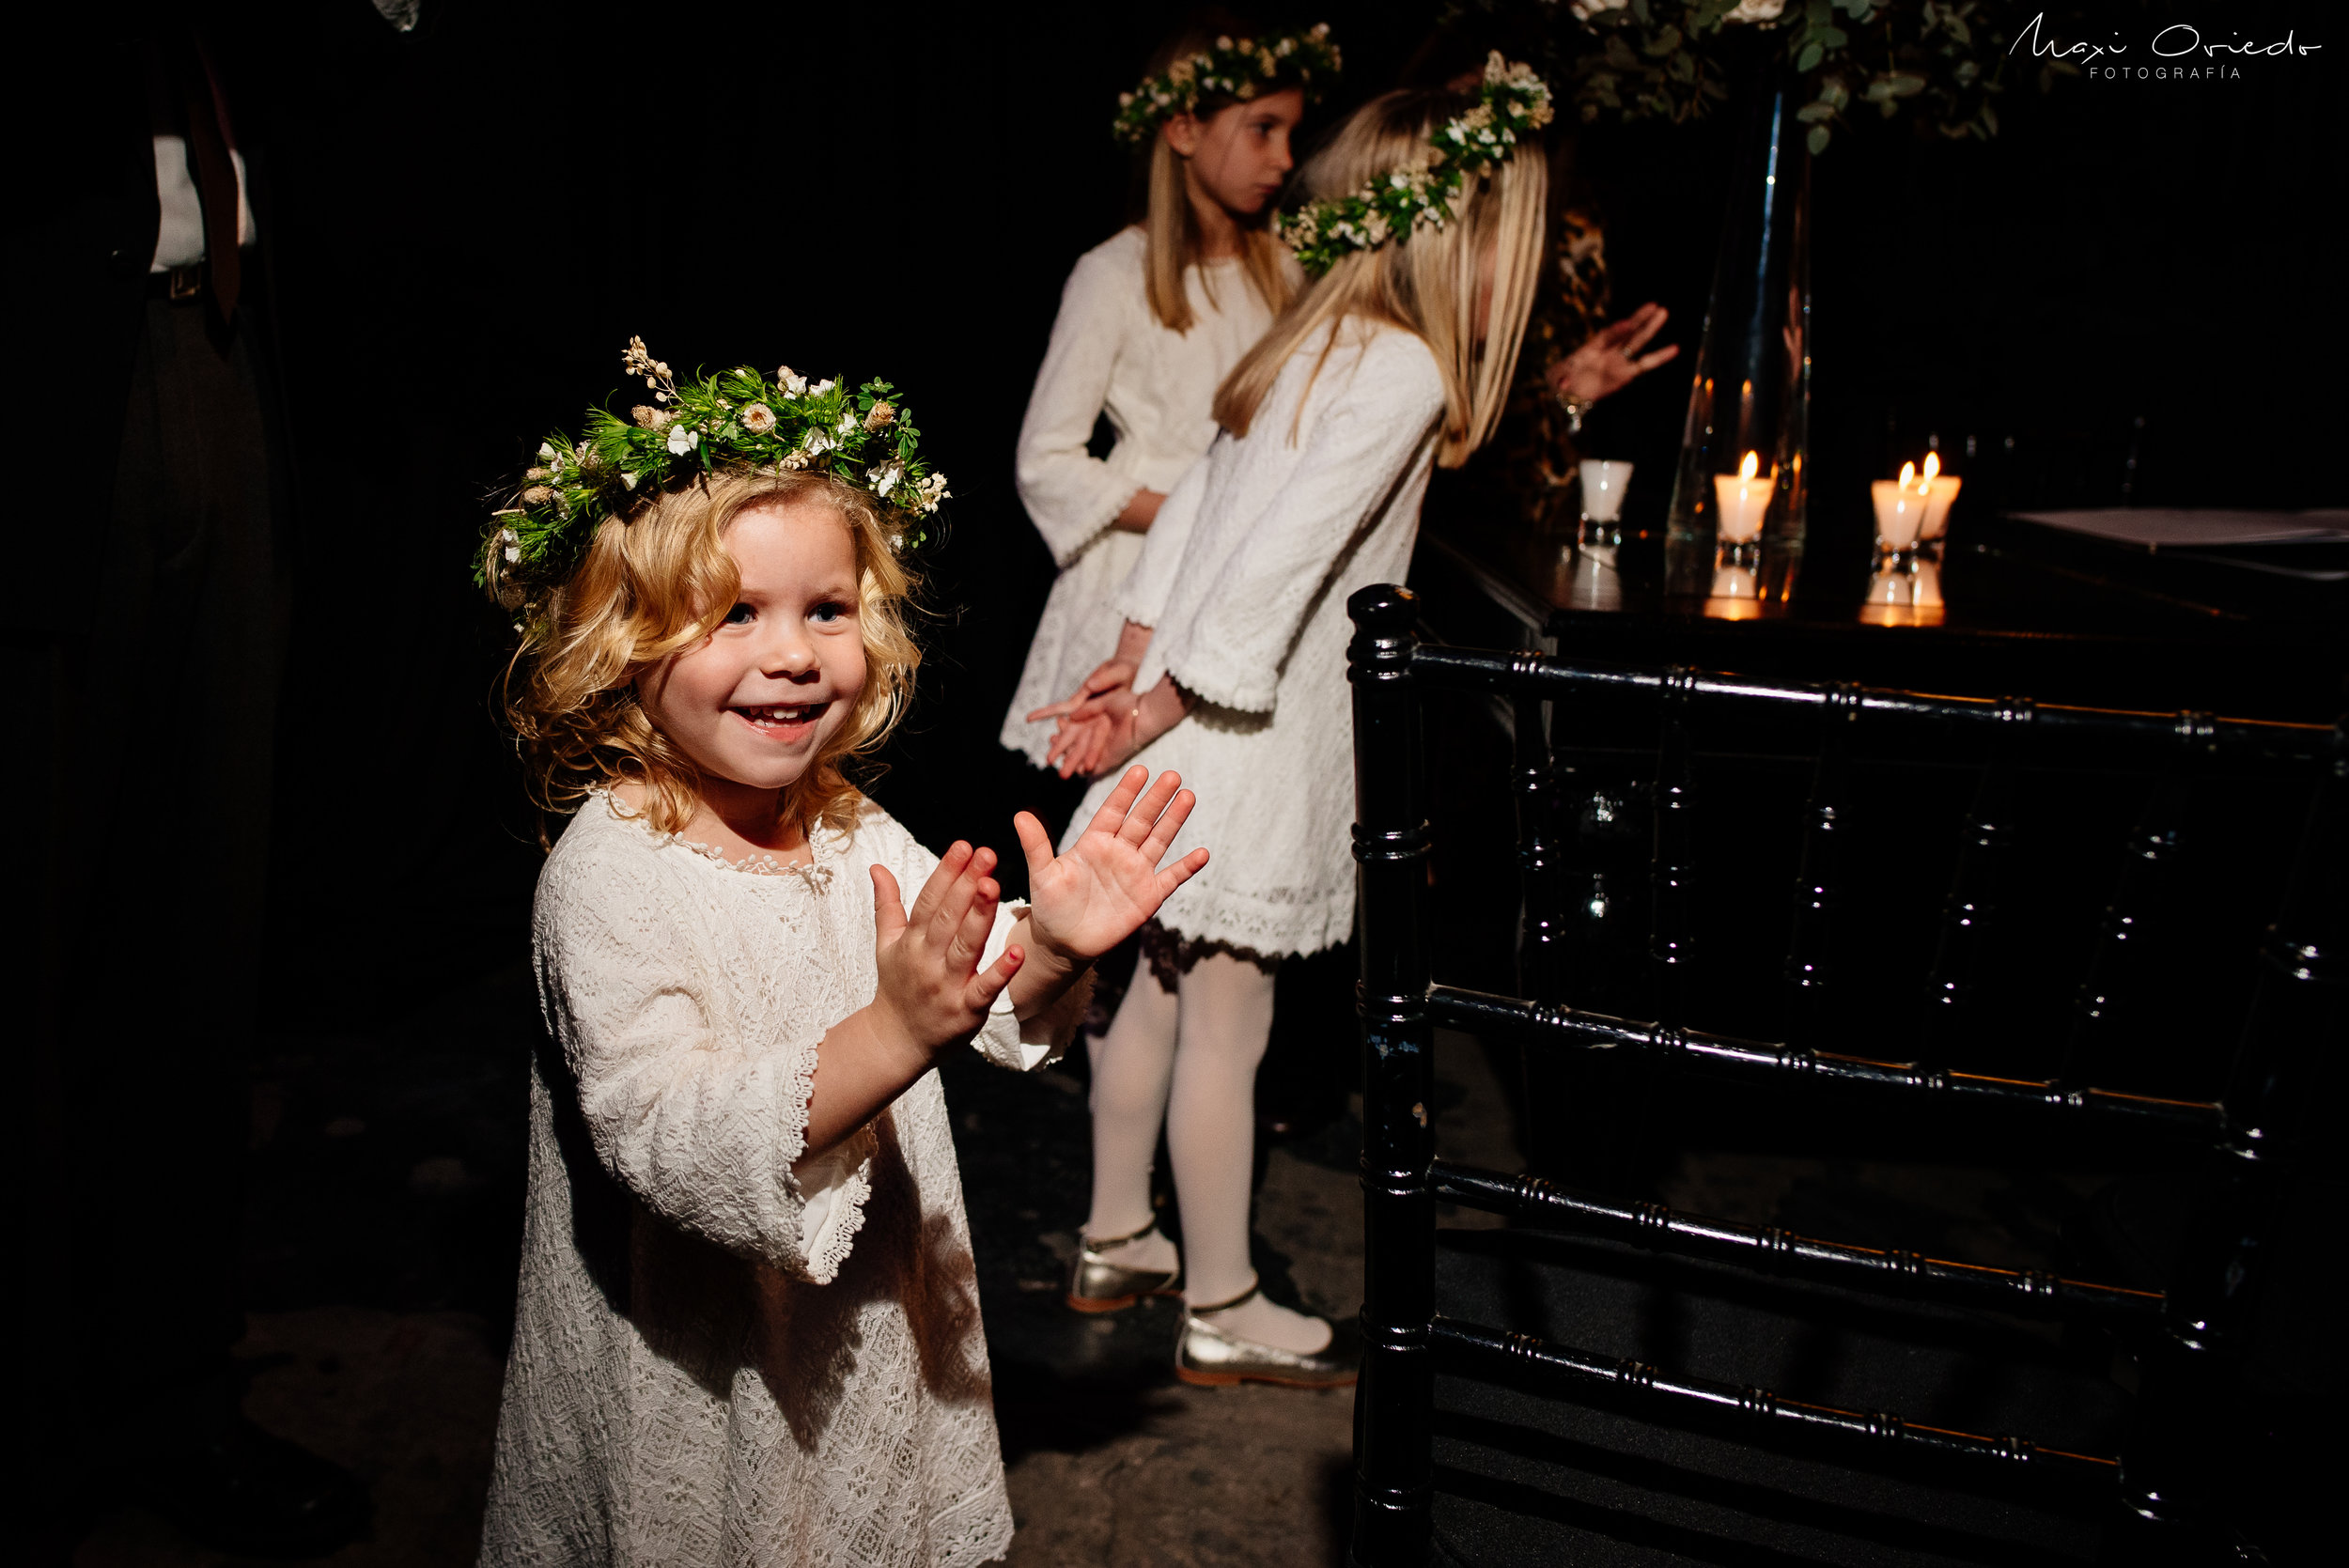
(1933,466)
(1750,466)
(1908,474)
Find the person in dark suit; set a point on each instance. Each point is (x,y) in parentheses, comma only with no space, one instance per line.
(148,618)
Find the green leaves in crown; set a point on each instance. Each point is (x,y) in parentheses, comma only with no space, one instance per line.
(1512,103)
(1241,70)
(737,419)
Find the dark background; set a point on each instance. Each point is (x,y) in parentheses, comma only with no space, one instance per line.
(468,222)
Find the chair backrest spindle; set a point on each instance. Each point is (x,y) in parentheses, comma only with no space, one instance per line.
(1670,946)
(1954,987)
(2146,861)
(1816,878)
(1542,879)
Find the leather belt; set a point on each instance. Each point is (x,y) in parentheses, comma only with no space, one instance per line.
(180,284)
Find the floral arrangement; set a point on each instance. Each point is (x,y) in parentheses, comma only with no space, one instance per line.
(736,419)
(1661,59)
(1511,102)
(1239,71)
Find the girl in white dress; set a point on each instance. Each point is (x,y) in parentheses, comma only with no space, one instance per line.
(747,1332)
(1425,224)
(1150,322)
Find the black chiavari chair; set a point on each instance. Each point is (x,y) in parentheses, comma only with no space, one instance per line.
(2161,1480)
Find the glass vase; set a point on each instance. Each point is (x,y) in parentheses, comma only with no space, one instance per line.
(1751,391)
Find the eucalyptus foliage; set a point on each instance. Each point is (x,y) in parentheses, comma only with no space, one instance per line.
(1664,59)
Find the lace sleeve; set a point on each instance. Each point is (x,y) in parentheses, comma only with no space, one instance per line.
(701,1124)
(1070,494)
(1255,567)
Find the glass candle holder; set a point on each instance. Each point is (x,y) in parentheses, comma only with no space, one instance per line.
(1603,484)
(1900,508)
(1943,493)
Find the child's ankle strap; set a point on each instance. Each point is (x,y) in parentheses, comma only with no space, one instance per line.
(1097,1242)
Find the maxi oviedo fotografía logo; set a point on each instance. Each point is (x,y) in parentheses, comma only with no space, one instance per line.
(2180,51)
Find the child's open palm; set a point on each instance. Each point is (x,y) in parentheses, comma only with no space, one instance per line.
(1087,901)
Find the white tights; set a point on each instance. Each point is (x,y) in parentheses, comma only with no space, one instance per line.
(1189,1060)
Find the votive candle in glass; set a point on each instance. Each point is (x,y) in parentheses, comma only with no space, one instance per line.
(1899,506)
(1742,500)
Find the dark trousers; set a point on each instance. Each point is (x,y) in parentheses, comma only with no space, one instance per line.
(158,705)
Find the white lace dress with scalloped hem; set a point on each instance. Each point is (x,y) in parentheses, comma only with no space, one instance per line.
(725,1354)
(1243,579)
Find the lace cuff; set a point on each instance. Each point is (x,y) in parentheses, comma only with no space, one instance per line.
(831,1188)
(1003,1039)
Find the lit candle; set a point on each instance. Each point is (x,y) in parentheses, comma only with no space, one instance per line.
(1743,499)
(1941,491)
(1900,508)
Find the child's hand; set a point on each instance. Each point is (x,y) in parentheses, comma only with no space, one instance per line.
(1087,901)
(1090,747)
(1098,695)
(930,994)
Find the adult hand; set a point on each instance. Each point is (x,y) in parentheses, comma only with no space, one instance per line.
(1085,902)
(1612,359)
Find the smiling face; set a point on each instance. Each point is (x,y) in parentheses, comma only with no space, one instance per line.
(1239,155)
(755,702)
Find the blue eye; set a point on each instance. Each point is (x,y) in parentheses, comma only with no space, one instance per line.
(828,612)
(739,615)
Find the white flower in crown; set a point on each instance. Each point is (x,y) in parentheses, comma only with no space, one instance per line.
(1755,10)
(820,387)
(884,478)
(849,423)
(546,452)
(1585,10)
(817,443)
(758,419)
(683,439)
(792,383)
(931,491)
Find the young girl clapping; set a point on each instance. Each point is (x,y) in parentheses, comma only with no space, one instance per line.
(748,1327)
(1150,322)
(1423,224)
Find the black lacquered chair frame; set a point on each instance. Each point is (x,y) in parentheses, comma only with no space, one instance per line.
(2190,1330)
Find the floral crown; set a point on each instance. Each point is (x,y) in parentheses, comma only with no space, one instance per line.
(738,419)
(1239,71)
(1511,102)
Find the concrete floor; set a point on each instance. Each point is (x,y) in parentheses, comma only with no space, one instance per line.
(386,1192)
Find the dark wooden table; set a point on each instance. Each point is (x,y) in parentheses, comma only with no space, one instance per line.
(2027,610)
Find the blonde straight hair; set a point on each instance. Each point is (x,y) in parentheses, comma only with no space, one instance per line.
(1426,283)
(1170,228)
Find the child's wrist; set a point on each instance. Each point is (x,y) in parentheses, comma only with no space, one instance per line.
(893,1035)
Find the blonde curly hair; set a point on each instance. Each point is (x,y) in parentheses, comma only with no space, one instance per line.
(654,583)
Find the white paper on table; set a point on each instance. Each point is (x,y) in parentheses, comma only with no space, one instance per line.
(2155,528)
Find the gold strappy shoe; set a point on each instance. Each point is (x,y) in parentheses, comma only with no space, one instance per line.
(1213,1356)
(1096,1284)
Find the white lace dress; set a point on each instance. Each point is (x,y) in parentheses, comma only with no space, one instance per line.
(718,1360)
(1108,355)
(1243,579)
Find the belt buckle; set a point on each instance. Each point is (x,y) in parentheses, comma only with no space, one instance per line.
(186,281)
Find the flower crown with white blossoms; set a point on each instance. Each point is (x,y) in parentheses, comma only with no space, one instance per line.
(738,419)
(1240,69)
(1511,102)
